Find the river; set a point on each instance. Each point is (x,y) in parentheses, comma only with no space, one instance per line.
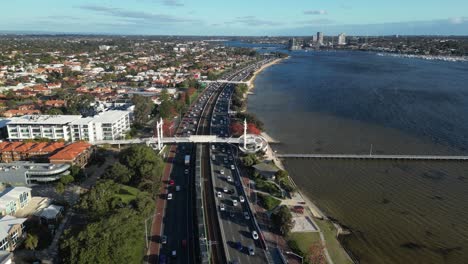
(352,102)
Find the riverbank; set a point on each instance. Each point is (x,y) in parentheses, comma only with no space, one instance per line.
(333,250)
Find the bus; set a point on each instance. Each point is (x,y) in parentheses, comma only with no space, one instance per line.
(187,160)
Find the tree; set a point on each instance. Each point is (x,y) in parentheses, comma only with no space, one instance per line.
(252,129)
(31,241)
(118,172)
(237,129)
(66,179)
(60,188)
(54,111)
(282,219)
(143,108)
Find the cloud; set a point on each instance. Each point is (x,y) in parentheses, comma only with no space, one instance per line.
(172,3)
(254,21)
(321,21)
(458,20)
(315,12)
(138,15)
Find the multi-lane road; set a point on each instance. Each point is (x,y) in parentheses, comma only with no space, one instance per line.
(229,230)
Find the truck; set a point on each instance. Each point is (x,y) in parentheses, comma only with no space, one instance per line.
(187,160)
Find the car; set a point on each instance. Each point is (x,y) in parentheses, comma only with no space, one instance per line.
(171,182)
(163,239)
(229,178)
(241,199)
(184,243)
(246,216)
(230,157)
(219,194)
(162,259)
(174,254)
(222,172)
(225,189)
(234,202)
(186,171)
(177,188)
(251,250)
(238,246)
(232,167)
(169,196)
(222,207)
(254,235)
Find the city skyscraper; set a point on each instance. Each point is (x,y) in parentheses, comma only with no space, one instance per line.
(320,38)
(342,39)
(293,44)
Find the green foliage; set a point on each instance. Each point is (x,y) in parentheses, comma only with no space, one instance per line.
(250,160)
(283,180)
(282,219)
(146,167)
(118,172)
(267,201)
(268,187)
(53,111)
(60,188)
(143,108)
(118,238)
(31,241)
(65,180)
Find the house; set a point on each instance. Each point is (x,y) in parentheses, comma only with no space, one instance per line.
(13,199)
(266,170)
(11,232)
(15,151)
(50,214)
(77,153)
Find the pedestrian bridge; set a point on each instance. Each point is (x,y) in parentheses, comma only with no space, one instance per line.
(374,157)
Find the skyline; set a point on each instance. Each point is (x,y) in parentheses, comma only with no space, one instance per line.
(187,17)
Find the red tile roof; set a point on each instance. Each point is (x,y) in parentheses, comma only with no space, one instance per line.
(70,152)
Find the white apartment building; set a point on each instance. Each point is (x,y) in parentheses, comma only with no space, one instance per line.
(107,125)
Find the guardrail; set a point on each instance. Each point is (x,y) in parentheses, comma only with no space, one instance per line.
(203,247)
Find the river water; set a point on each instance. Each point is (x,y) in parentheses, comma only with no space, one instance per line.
(350,102)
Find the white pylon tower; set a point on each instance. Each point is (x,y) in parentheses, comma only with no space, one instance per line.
(159,133)
(245,133)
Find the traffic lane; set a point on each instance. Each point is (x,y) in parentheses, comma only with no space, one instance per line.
(236,227)
(176,213)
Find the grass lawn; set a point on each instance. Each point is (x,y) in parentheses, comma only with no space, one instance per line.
(268,202)
(304,239)
(127,193)
(337,253)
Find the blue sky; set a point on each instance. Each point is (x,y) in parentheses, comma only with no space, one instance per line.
(238,17)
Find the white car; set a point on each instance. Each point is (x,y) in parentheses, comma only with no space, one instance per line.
(234,202)
(232,167)
(169,196)
(219,194)
(254,235)
(222,207)
(222,172)
(229,178)
(225,189)
(241,199)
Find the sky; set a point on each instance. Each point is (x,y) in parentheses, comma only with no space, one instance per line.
(237,17)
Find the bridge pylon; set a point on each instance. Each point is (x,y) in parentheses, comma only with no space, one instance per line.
(159,133)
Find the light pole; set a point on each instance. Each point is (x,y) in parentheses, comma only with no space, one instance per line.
(294,254)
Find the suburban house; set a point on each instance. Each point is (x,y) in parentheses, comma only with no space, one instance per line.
(11,232)
(13,199)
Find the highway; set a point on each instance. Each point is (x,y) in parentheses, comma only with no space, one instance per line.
(177,238)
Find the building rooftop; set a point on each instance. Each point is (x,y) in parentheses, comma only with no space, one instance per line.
(7,222)
(70,152)
(109,116)
(11,194)
(44,119)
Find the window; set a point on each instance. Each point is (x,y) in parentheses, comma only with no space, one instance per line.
(4,244)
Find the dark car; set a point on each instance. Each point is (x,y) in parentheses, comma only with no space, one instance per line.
(162,259)
(238,246)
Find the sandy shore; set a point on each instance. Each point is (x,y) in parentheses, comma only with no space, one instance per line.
(252,79)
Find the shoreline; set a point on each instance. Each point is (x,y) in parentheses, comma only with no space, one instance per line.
(270,155)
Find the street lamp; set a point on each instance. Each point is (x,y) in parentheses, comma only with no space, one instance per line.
(294,254)
(146,231)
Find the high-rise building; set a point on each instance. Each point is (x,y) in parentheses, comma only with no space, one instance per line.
(342,39)
(293,44)
(320,38)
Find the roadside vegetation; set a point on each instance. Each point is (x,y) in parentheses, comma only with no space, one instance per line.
(110,217)
(267,201)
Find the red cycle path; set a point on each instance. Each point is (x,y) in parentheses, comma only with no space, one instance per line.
(156,226)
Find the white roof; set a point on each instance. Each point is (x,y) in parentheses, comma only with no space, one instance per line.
(7,222)
(11,194)
(109,116)
(51,211)
(44,119)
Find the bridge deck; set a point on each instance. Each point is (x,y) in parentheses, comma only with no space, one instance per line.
(375,157)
